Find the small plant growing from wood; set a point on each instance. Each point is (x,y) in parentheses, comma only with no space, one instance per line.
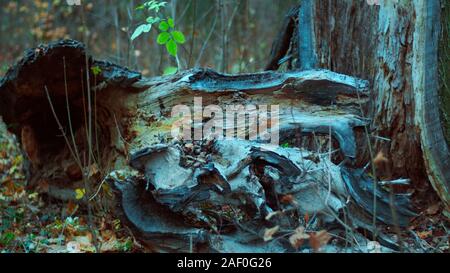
(168,36)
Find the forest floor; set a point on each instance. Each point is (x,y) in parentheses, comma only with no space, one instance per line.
(32,222)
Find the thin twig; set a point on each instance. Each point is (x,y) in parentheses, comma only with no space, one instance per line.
(205,43)
(61,128)
(68,113)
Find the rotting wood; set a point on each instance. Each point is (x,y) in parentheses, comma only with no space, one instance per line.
(394,45)
(168,199)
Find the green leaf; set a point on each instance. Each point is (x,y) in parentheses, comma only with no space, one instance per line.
(171,22)
(141,29)
(285,145)
(178,37)
(164,26)
(7,238)
(151,20)
(170,70)
(172,47)
(163,37)
(137,32)
(155,5)
(79,193)
(96,70)
(147,27)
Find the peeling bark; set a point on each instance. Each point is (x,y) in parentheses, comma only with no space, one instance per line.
(436,151)
(394,46)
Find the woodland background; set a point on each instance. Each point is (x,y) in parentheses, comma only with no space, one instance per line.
(227,35)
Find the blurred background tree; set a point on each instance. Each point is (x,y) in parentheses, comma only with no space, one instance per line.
(231,36)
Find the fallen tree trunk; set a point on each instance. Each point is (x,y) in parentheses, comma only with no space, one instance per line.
(207,194)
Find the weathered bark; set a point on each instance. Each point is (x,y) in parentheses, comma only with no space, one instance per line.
(175,194)
(436,151)
(394,46)
(283,42)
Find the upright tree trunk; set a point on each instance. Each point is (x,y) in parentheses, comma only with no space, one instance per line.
(394,45)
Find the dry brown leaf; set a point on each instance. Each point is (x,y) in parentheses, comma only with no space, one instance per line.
(71,207)
(108,246)
(93,170)
(424,234)
(84,242)
(298,237)
(287,199)
(306,218)
(109,242)
(43,186)
(268,234)
(107,234)
(380,158)
(433,209)
(272,214)
(9,188)
(73,247)
(102,224)
(56,248)
(319,239)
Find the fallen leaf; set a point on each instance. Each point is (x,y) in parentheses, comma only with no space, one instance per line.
(116,224)
(319,239)
(108,246)
(433,209)
(380,158)
(33,196)
(109,241)
(287,199)
(107,234)
(306,218)
(298,237)
(424,234)
(9,188)
(107,189)
(93,170)
(32,208)
(43,186)
(373,247)
(71,207)
(268,234)
(84,242)
(272,214)
(73,247)
(79,193)
(54,248)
